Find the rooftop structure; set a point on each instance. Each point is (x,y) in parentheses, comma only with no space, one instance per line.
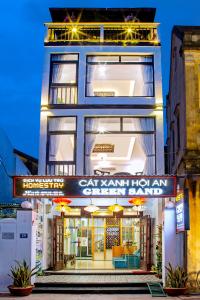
(127,26)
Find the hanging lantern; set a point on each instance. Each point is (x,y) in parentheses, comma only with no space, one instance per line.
(91,208)
(62,204)
(115,208)
(138,207)
(62,201)
(137,201)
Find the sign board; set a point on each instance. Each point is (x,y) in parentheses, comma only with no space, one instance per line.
(23,235)
(8,235)
(94,186)
(182,211)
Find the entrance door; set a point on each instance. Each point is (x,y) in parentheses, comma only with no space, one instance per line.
(58,243)
(145,243)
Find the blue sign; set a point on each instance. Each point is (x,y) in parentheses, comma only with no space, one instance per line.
(23,235)
(182,211)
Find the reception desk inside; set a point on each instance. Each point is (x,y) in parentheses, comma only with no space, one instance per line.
(118,251)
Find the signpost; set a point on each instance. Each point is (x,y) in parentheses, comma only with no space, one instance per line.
(94,186)
(182,211)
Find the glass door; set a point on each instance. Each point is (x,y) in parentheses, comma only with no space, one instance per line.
(98,239)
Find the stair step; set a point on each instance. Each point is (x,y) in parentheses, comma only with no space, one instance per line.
(90,284)
(92,290)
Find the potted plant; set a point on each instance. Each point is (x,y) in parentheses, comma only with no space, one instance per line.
(21,274)
(176,281)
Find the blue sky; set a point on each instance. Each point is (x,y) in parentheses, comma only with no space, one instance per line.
(21,36)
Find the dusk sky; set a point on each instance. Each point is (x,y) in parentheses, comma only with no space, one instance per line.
(22,52)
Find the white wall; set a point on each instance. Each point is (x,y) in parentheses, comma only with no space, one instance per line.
(81,113)
(16,247)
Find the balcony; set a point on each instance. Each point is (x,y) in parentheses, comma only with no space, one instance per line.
(125,33)
(63,95)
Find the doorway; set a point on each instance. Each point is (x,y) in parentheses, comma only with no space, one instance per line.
(100,243)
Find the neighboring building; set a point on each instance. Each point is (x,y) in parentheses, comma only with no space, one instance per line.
(101,113)
(12,162)
(183,122)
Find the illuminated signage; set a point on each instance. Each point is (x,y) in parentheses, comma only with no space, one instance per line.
(182,211)
(93,187)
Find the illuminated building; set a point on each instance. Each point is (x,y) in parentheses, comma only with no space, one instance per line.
(183,121)
(101,115)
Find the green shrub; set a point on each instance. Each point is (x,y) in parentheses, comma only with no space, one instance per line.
(21,274)
(176,277)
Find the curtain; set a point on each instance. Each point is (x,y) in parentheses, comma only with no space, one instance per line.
(90,76)
(147,72)
(147,142)
(57,73)
(56,124)
(92,125)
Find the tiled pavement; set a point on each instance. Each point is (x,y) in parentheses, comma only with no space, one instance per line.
(108,278)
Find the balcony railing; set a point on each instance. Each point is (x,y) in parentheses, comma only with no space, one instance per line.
(106,33)
(61,169)
(63,95)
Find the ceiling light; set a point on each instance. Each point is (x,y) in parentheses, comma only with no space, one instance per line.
(101,129)
(115,208)
(129,30)
(91,208)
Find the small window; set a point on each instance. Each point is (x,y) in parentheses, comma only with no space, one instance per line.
(62,124)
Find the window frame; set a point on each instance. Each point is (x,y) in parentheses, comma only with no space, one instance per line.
(120,132)
(119,63)
(57,85)
(61,132)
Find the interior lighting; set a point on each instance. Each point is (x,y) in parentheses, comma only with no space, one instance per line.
(91,208)
(129,30)
(115,208)
(101,129)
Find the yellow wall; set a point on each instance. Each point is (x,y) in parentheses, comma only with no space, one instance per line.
(194,232)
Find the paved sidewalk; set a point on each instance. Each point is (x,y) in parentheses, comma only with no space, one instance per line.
(94,297)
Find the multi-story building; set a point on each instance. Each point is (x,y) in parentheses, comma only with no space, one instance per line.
(102,114)
(183,122)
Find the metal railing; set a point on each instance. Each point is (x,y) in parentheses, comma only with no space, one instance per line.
(97,33)
(61,169)
(63,95)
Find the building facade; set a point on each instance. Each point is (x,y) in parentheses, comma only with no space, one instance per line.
(183,122)
(101,114)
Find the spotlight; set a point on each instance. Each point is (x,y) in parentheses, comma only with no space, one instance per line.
(74,29)
(129,30)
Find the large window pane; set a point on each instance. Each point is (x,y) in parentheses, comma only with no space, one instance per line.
(138,124)
(120,79)
(61,147)
(102,125)
(62,124)
(131,140)
(64,73)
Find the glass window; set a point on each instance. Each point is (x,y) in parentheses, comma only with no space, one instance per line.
(129,151)
(62,124)
(64,57)
(64,73)
(63,83)
(138,124)
(103,58)
(61,147)
(115,76)
(102,125)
